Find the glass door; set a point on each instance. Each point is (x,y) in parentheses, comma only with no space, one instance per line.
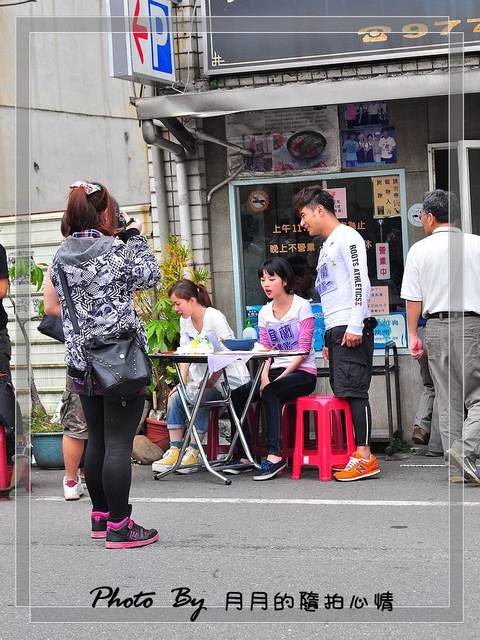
(469,170)
(455,167)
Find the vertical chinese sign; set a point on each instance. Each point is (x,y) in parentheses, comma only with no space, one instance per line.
(386,196)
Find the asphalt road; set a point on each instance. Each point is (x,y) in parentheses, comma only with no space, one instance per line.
(277,559)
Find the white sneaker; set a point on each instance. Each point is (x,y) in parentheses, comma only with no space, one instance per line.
(72,493)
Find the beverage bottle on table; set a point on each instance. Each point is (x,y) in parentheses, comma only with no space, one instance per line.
(249,331)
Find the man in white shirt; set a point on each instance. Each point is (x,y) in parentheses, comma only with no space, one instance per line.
(344,289)
(440,282)
(387,146)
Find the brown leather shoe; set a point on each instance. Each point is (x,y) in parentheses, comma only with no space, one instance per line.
(420,436)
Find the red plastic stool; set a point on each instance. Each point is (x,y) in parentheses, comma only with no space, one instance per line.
(6,471)
(332,448)
(4,475)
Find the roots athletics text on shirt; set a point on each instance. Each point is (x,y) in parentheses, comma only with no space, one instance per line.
(342,280)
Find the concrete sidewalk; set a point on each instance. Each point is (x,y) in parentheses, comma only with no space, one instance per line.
(286,558)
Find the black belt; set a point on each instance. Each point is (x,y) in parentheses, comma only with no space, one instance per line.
(75,373)
(441,315)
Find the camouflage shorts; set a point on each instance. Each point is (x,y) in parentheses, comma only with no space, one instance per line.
(71,413)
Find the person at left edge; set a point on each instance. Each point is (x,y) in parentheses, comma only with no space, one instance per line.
(5,344)
(6,353)
(102,272)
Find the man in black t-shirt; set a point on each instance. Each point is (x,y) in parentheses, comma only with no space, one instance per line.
(5,345)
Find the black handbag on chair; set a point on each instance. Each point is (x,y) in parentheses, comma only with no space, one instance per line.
(116,362)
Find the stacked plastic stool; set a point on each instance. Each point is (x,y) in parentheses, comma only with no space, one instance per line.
(332,448)
(213,448)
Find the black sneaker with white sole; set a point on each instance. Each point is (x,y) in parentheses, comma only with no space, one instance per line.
(270,469)
(465,464)
(236,467)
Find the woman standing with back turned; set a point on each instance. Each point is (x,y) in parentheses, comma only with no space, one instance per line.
(101,273)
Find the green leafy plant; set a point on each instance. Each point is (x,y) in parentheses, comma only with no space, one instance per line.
(402,447)
(155,309)
(25,271)
(41,422)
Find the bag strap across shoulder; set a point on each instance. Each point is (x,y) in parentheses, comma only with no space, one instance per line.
(68,300)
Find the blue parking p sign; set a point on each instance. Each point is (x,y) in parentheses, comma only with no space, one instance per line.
(144,50)
(161,38)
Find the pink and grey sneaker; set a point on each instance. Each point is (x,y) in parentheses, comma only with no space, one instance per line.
(99,522)
(126,534)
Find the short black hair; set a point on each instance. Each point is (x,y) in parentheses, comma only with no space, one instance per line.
(443,205)
(311,197)
(279,267)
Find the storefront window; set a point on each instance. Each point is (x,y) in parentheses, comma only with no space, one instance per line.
(369,203)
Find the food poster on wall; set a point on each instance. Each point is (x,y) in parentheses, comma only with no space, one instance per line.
(284,140)
(386,196)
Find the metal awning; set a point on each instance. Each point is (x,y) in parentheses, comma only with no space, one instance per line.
(324,92)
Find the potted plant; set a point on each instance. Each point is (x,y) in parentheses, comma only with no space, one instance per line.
(23,272)
(46,437)
(162,325)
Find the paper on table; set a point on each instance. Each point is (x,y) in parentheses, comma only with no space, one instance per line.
(220,361)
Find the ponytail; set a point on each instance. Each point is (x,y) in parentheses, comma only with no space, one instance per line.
(203,296)
(93,210)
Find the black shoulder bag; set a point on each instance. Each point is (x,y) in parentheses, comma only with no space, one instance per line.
(52,327)
(116,362)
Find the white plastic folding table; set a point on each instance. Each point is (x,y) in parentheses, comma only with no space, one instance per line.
(214,363)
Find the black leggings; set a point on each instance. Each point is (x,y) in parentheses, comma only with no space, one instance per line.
(108,470)
(362,420)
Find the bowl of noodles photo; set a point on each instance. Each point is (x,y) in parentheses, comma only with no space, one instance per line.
(306,145)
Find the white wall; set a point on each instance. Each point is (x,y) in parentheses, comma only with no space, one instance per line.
(81,122)
(81,125)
